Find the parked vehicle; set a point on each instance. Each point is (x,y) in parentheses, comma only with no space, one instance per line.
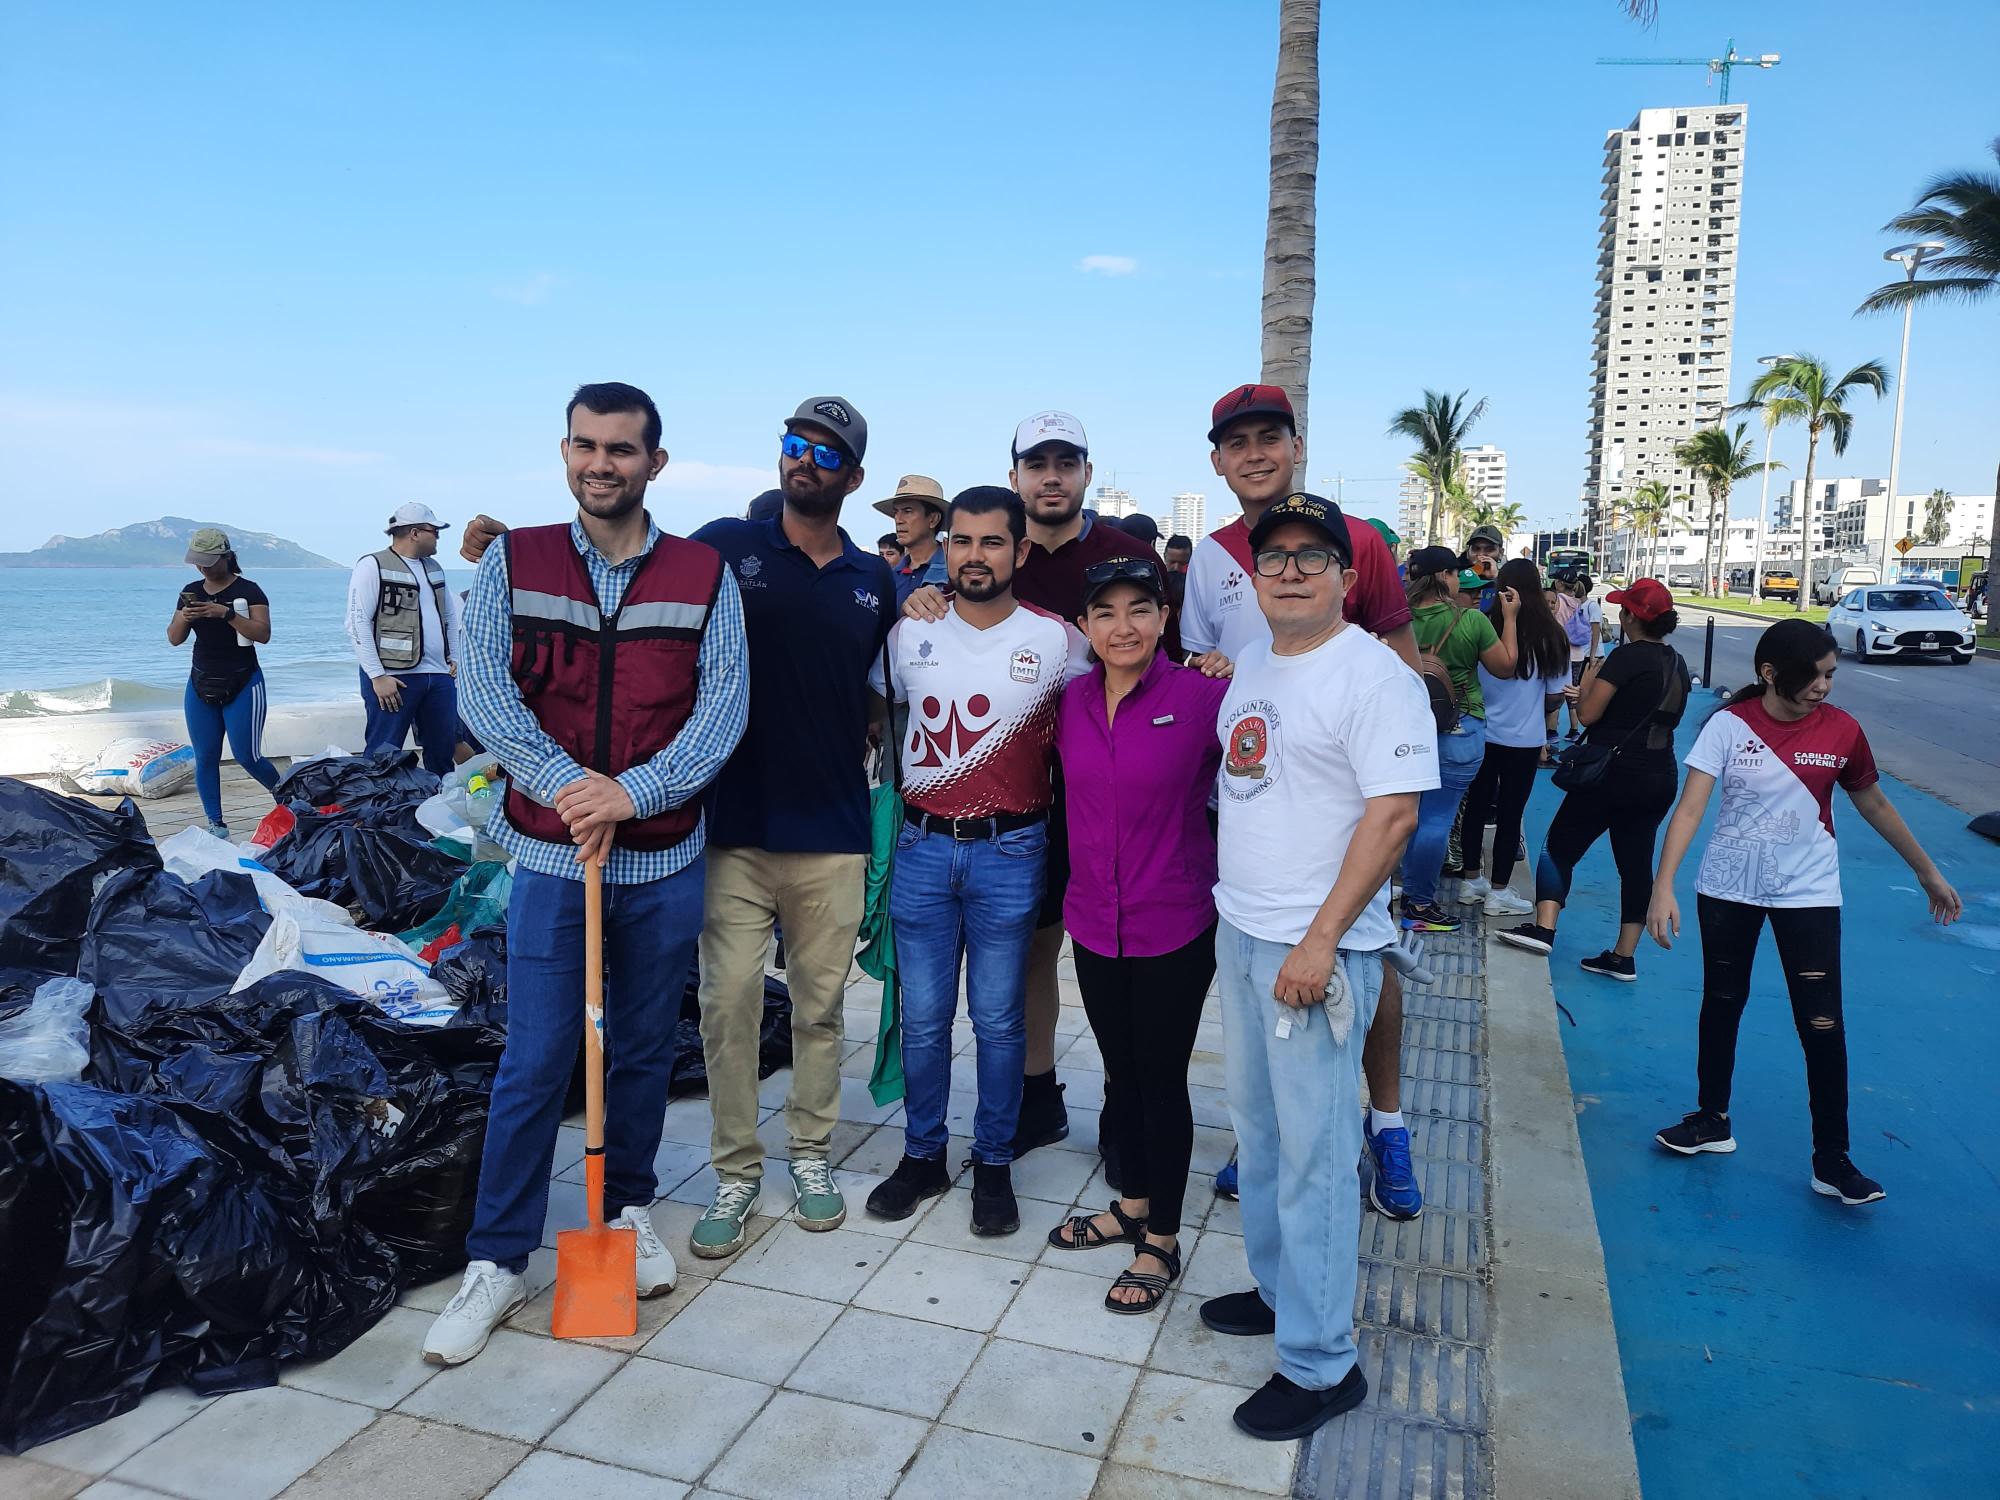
(1853,576)
(1684,576)
(1901,620)
(1779,583)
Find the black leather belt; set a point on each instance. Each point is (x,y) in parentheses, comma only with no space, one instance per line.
(966,830)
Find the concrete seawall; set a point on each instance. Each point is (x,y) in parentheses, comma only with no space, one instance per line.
(34,746)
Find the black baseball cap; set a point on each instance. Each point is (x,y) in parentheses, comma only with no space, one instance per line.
(1428,560)
(1315,511)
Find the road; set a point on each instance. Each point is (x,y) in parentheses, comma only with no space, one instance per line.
(1932,724)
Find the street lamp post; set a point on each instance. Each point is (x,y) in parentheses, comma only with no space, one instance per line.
(1763,504)
(1909,257)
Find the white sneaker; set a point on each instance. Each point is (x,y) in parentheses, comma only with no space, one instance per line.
(1473,891)
(656,1261)
(483,1301)
(1504,903)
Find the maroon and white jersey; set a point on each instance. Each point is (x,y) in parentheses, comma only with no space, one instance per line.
(1773,842)
(982,709)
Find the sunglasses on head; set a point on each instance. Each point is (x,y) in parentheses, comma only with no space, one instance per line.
(1123,570)
(825,455)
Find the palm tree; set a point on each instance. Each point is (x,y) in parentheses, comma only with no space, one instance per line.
(1438,428)
(1799,388)
(1649,505)
(1510,518)
(1289,223)
(1962,211)
(1718,458)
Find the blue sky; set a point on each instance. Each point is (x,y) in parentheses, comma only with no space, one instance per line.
(291,266)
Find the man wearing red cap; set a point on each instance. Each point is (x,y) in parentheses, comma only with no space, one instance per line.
(1258,453)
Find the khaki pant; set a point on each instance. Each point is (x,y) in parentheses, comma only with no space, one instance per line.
(818,900)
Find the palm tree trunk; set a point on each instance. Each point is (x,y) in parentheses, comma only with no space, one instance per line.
(1992,556)
(1806,523)
(1290,223)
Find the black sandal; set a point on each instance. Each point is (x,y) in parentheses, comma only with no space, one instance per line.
(1080,1231)
(1151,1283)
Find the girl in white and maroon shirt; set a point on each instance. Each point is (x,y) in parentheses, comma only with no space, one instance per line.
(1778,750)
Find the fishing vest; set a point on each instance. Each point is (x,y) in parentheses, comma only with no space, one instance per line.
(612,690)
(399,618)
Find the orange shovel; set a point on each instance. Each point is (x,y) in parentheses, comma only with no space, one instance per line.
(597,1267)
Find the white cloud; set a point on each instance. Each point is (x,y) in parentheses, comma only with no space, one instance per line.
(531,292)
(1109,265)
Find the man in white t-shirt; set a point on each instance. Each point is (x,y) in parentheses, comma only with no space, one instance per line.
(405,626)
(982,684)
(1328,743)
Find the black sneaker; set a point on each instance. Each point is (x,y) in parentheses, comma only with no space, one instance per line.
(1283,1410)
(1240,1314)
(1529,938)
(915,1179)
(1043,1120)
(1427,917)
(994,1210)
(1703,1130)
(1611,966)
(1837,1177)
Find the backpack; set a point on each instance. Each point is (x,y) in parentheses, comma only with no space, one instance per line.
(1577,626)
(1437,680)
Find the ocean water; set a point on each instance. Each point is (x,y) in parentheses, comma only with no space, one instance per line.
(94,640)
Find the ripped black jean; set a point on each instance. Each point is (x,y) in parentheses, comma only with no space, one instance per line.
(1809,948)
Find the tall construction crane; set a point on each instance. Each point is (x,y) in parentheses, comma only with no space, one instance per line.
(1717,66)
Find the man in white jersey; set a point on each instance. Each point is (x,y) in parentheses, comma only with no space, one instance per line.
(1258,452)
(1327,744)
(982,685)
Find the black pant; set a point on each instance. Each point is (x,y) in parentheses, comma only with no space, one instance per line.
(1144,1012)
(1505,779)
(1809,948)
(1629,804)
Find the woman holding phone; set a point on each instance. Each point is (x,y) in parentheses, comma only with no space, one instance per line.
(228,616)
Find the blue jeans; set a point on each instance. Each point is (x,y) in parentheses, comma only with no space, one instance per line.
(243,719)
(974,900)
(1296,1104)
(430,702)
(649,941)
(1459,758)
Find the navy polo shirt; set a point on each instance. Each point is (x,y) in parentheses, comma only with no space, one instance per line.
(796,784)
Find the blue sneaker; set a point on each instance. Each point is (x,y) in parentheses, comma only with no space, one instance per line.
(1225,1182)
(1393,1190)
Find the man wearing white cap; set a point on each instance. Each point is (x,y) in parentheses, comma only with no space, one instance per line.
(406,628)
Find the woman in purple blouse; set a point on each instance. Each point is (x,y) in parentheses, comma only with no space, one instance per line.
(1139,755)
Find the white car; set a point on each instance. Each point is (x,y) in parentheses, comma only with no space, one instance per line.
(1901,619)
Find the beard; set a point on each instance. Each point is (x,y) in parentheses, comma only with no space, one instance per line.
(615,509)
(1041,515)
(812,501)
(979,587)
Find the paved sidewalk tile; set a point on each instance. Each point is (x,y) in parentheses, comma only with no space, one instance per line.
(1064,1309)
(898,1363)
(954,1464)
(544,1475)
(806,1445)
(830,1265)
(1043,1396)
(1183,1426)
(24,1479)
(378,1369)
(100,1449)
(944,1286)
(665,1419)
(520,1386)
(246,1446)
(400,1456)
(745,1331)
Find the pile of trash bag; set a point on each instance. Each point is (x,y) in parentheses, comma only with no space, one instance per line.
(238,1112)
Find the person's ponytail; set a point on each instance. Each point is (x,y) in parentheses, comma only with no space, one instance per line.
(228,560)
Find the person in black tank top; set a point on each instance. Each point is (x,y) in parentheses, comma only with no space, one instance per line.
(227,615)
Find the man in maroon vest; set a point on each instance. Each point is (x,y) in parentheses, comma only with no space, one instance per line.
(605,665)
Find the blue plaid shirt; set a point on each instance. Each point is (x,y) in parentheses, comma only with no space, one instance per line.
(491,703)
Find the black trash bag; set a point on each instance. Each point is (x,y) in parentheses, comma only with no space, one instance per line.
(474,973)
(387,778)
(142,1252)
(398,880)
(154,941)
(774,1037)
(310,859)
(1987,825)
(374,1125)
(54,853)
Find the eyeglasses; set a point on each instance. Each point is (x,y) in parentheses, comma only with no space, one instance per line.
(1123,569)
(1312,561)
(824,454)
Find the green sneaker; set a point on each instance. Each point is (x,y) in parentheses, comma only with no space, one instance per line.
(820,1205)
(719,1232)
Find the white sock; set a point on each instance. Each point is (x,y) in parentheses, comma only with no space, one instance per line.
(1379,1122)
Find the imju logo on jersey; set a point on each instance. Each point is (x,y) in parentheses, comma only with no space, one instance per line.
(1232,590)
(1251,763)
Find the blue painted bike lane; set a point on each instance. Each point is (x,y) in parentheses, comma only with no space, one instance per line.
(1775,1342)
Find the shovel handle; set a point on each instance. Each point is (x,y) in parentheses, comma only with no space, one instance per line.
(593,1040)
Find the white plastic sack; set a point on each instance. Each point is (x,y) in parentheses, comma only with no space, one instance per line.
(134,767)
(374,965)
(194,852)
(49,1042)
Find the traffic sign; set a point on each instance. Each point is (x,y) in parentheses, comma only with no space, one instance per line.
(1905,545)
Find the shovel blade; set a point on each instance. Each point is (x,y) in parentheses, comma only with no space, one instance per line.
(597,1284)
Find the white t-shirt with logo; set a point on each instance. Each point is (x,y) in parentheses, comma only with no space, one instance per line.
(1306,740)
(1773,841)
(982,709)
